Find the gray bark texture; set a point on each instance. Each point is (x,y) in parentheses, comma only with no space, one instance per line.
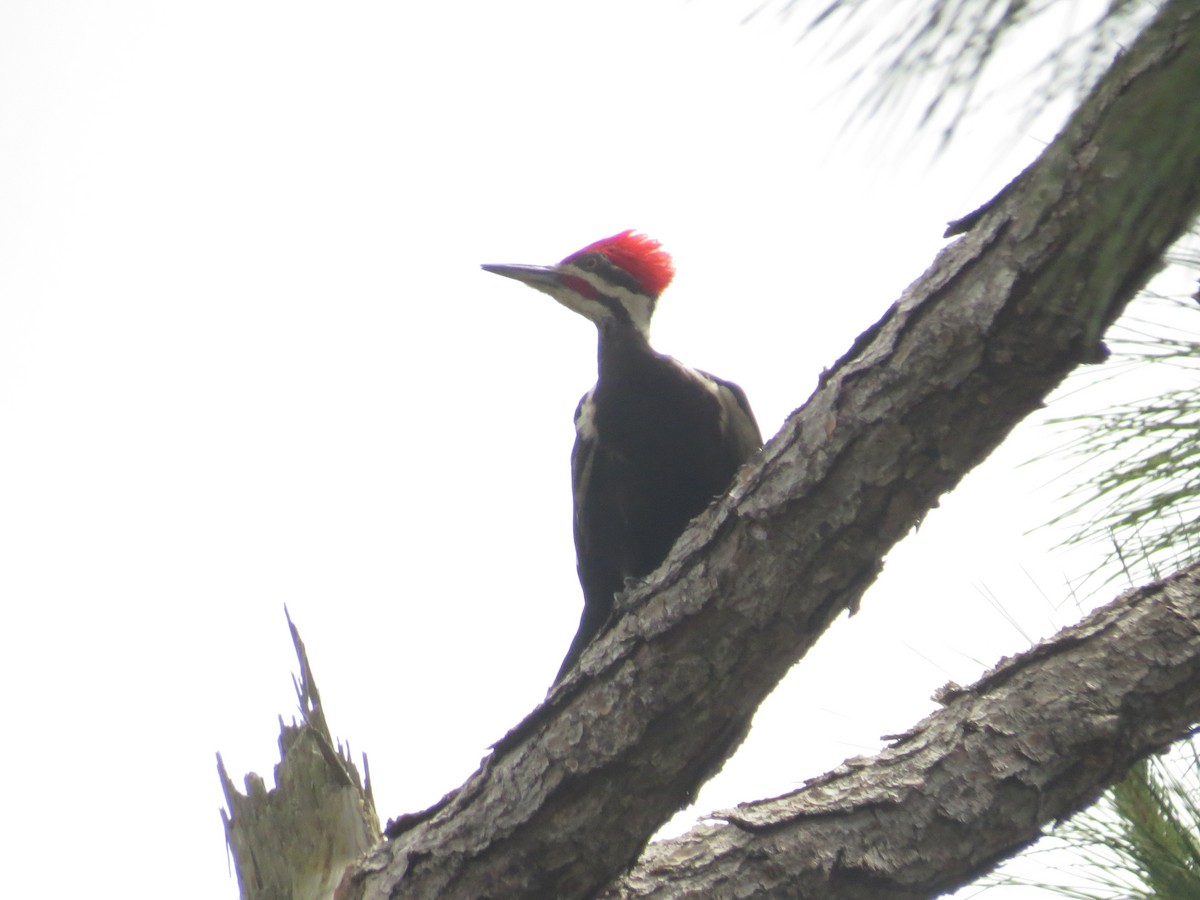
(567,800)
(1033,740)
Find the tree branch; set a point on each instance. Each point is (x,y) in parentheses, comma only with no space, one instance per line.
(1034,740)
(569,798)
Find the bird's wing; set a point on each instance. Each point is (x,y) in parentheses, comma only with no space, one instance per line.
(742,434)
(583,455)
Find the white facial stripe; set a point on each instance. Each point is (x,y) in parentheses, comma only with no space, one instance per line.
(590,309)
(639,306)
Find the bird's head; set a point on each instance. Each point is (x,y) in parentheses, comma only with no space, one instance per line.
(613,282)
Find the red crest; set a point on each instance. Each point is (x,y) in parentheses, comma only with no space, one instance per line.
(639,255)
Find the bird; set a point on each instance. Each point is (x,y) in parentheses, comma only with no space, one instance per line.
(655,441)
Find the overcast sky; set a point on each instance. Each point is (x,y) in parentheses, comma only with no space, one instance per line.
(248,358)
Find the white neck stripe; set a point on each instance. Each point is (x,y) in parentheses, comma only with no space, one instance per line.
(639,307)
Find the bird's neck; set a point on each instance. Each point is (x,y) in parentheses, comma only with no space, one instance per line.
(620,348)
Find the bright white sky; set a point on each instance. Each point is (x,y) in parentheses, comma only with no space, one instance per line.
(247,358)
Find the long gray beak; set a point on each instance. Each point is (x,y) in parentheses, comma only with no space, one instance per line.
(544,278)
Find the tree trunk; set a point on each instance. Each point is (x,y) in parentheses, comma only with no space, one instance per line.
(568,799)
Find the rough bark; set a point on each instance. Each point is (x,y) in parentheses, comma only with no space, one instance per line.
(570,796)
(1030,742)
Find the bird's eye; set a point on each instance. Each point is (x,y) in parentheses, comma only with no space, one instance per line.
(588,262)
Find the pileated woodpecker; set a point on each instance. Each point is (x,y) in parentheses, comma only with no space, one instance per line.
(655,441)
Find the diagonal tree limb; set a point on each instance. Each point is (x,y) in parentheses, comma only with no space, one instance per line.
(569,798)
(1034,740)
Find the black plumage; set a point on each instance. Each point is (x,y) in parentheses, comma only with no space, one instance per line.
(656,442)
